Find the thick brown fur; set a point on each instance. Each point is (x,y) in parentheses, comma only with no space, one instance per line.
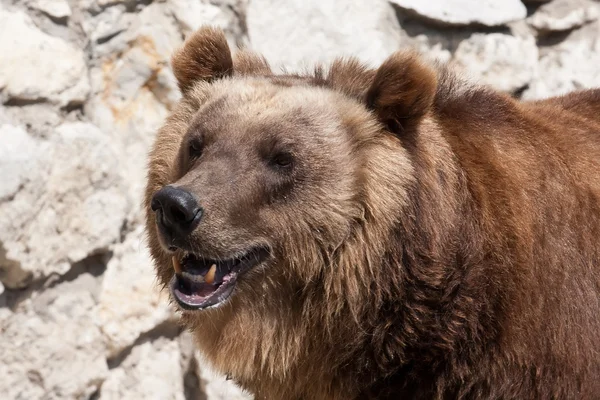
(433,240)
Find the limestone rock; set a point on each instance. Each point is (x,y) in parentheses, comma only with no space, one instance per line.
(114,31)
(322,30)
(192,14)
(103,27)
(216,386)
(157,31)
(466,12)
(4,117)
(53,349)
(433,42)
(505,62)
(68,206)
(40,119)
(21,160)
(38,67)
(570,65)
(58,9)
(152,371)
(133,90)
(228,15)
(130,303)
(562,15)
(18,159)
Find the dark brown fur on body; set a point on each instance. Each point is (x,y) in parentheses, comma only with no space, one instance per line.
(433,240)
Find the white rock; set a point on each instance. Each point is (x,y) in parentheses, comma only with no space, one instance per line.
(133,127)
(18,159)
(503,61)
(38,67)
(4,117)
(141,65)
(70,207)
(41,119)
(152,371)
(465,12)
(59,9)
(114,31)
(562,15)
(56,352)
(133,90)
(570,65)
(299,33)
(22,161)
(111,22)
(130,303)
(192,14)
(217,387)
(432,42)
(157,31)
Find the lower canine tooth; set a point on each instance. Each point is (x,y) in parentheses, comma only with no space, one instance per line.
(176,265)
(210,275)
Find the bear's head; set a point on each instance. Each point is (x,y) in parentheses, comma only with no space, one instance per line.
(264,188)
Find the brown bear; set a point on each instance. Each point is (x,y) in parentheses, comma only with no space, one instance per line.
(394,233)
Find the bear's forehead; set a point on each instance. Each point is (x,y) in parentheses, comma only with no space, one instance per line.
(246,107)
(271,95)
(260,101)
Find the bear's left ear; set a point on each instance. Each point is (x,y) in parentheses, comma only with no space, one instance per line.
(205,56)
(402,92)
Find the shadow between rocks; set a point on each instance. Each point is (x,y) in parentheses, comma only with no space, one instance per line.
(169,329)
(94,265)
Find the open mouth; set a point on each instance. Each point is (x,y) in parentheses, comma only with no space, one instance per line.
(200,283)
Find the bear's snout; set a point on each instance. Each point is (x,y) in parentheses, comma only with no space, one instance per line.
(177,212)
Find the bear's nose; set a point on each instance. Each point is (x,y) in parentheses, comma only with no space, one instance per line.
(176,209)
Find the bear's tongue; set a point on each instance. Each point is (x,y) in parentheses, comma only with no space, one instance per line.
(198,289)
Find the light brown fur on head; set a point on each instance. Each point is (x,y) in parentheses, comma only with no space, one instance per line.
(405,247)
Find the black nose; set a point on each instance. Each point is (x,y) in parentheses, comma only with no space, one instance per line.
(176,209)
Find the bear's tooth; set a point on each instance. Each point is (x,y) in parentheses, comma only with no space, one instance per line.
(210,275)
(176,265)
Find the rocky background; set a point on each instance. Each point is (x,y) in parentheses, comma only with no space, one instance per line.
(84,84)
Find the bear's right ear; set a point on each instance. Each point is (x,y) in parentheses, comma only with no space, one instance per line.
(402,91)
(246,62)
(205,56)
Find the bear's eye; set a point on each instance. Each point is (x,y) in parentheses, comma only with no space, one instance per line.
(283,160)
(195,149)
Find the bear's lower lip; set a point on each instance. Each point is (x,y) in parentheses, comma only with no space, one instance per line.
(194,291)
